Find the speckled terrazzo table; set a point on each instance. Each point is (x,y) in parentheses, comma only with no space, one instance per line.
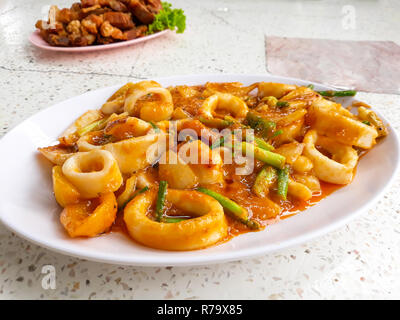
(360,260)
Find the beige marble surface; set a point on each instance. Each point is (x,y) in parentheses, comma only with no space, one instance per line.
(360,260)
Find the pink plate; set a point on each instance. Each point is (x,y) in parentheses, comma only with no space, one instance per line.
(38,41)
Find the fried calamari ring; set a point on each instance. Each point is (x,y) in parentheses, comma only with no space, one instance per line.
(85,143)
(115,104)
(334,121)
(225,101)
(93,173)
(149,110)
(64,191)
(79,221)
(69,136)
(204,162)
(235,88)
(208,227)
(127,127)
(137,153)
(57,154)
(277,90)
(340,168)
(176,172)
(301,97)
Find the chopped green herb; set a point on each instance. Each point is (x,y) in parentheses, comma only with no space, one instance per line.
(234,121)
(260,124)
(277,133)
(282,104)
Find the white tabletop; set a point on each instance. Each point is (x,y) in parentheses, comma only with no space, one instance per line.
(360,260)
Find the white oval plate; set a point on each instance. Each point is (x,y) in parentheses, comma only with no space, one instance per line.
(28,208)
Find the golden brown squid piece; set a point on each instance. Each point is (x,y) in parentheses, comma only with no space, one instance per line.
(206,228)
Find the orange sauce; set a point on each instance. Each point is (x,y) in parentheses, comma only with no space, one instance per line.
(261,209)
(266,210)
(297,206)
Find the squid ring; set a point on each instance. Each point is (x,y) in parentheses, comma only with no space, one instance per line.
(225,101)
(208,227)
(57,154)
(93,173)
(339,169)
(139,152)
(79,221)
(204,162)
(64,192)
(84,143)
(150,111)
(115,104)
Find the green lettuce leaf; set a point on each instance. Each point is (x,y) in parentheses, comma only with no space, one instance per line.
(168,18)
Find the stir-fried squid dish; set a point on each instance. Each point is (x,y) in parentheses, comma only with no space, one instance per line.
(187,167)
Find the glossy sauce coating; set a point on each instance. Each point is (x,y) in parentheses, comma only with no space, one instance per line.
(238,187)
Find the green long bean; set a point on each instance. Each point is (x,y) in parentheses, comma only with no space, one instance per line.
(283,182)
(332,93)
(274,159)
(162,192)
(215,122)
(264,180)
(173,220)
(261,143)
(232,208)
